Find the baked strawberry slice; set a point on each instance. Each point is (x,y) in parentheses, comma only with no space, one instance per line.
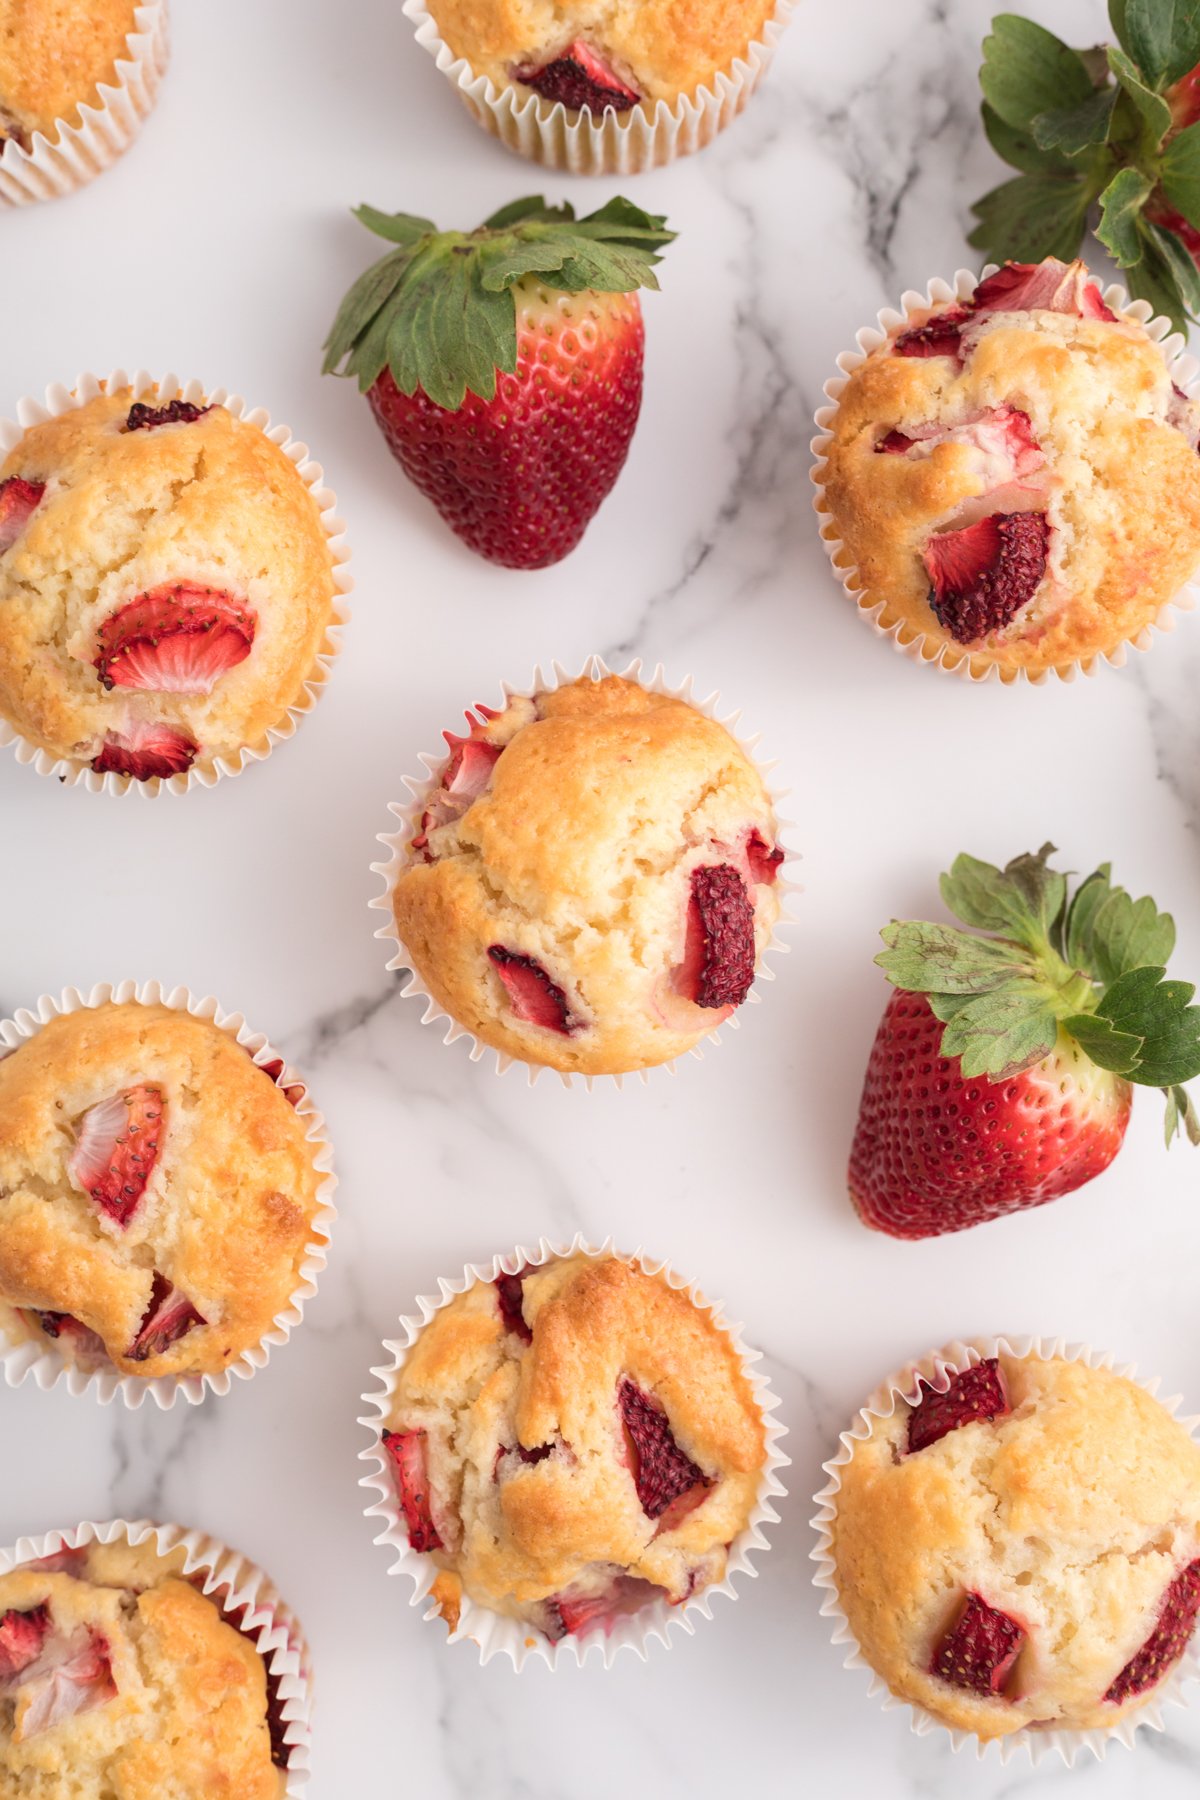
(22,1635)
(147,750)
(718,956)
(581,79)
(407,1450)
(975,1393)
(19,500)
(73,1676)
(941,334)
(532,995)
(169,1316)
(662,1473)
(763,858)
(470,766)
(87,1345)
(1048,286)
(1167,1642)
(984,574)
(177,412)
(176,639)
(572,1614)
(116,1148)
(894,443)
(509,1294)
(980,1649)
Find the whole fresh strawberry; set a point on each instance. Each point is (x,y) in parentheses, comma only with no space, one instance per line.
(504,365)
(1002,1073)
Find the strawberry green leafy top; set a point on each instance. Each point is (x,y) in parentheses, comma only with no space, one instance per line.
(1093,964)
(1103,134)
(439,312)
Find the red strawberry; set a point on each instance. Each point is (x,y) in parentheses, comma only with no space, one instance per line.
(407,1451)
(662,1473)
(980,1649)
(147,749)
(1000,1074)
(763,858)
(894,444)
(718,957)
(516,418)
(974,1393)
(169,1316)
(116,1148)
(509,1293)
(63,1562)
(984,574)
(22,1635)
(571,1614)
(177,412)
(465,775)
(1167,1642)
(1048,286)
(19,500)
(88,1345)
(176,639)
(78,1678)
(581,80)
(531,993)
(941,335)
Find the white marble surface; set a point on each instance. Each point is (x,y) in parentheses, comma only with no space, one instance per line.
(220,248)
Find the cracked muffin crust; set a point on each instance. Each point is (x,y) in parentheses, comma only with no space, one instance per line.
(573,1442)
(157,1191)
(118,1677)
(166,585)
(1023,1549)
(592,883)
(54,54)
(1014,478)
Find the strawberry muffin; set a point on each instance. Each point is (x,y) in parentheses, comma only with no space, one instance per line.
(54,54)
(590,884)
(1012,478)
(157,1191)
(572,1443)
(118,1676)
(1018,1544)
(597,59)
(166,586)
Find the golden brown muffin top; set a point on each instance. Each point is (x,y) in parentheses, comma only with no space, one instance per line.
(53,55)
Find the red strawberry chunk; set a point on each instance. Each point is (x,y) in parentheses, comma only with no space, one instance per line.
(149,418)
(984,574)
(1167,1642)
(147,750)
(407,1451)
(531,993)
(176,639)
(980,1649)
(22,1635)
(718,957)
(941,335)
(19,500)
(169,1316)
(975,1393)
(470,766)
(79,1678)
(510,1294)
(571,1614)
(63,1562)
(764,860)
(1048,286)
(894,444)
(116,1148)
(88,1344)
(662,1473)
(581,80)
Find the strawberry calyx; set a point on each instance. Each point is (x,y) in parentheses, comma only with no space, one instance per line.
(385,320)
(1036,961)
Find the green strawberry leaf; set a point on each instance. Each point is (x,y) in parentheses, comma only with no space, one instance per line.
(531,207)
(1163,38)
(1180,263)
(1143,1003)
(1022,900)
(1027,70)
(1018,149)
(1120,214)
(398,228)
(1031,217)
(1181,174)
(1108,933)
(1152,278)
(1074,129)
(1181,1115)
(1116,16)
(1000,1034)
(1117,1051)
(928,958)
(1155,113)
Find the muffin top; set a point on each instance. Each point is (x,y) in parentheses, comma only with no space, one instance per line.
(53,56)
(591,886)
(1015,477)
(1022,1549)
(117,1676)
(157,1191)
(598,54)
(165,585)
(572,1442)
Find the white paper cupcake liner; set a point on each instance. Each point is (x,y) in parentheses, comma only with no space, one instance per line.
(492,1633)
(236,1583)
(51,168)
(26,1358)
(937,1369)
(74,772)
(421,786)
(908,639)
(645,137)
